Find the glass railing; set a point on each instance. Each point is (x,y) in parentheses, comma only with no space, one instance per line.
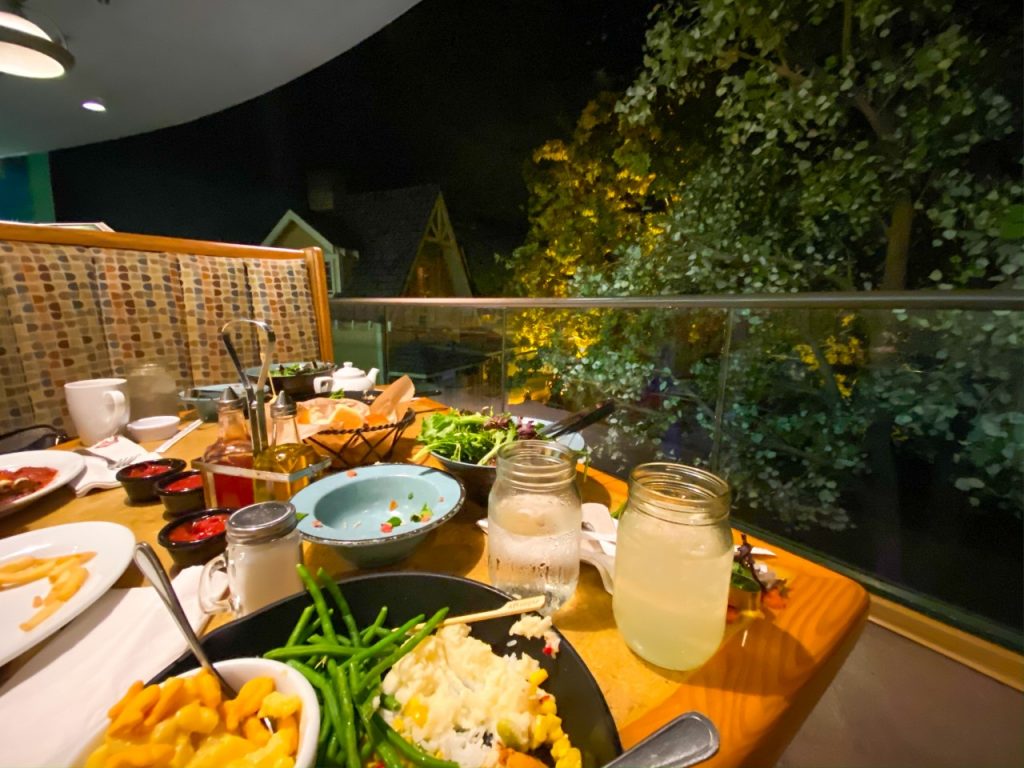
(882,434)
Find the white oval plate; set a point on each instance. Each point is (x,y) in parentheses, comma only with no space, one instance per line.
(113,545)
(67,464)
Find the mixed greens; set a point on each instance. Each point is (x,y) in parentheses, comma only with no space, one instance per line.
(297,369)
(472,438)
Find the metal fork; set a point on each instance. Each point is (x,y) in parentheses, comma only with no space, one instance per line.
(111,463)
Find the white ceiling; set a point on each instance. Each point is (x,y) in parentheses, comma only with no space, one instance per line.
(158,63)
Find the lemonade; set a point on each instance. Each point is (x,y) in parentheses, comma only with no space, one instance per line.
(672,565)
(670,595)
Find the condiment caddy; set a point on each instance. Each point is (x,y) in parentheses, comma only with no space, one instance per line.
(236,455)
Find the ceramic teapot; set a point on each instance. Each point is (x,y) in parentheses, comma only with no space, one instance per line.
(350,379)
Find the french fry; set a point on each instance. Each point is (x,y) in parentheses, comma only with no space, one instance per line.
(48,609)
(17,564)
(66,576)
(69,583)
(26,575)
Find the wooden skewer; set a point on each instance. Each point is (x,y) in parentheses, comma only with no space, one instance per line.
(511,608)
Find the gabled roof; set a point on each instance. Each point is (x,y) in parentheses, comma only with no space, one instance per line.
(385,227)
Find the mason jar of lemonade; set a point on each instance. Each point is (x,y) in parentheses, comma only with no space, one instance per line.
(672,564)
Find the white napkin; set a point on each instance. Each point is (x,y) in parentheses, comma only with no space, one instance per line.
(52,706)
(600,554)
(97,473)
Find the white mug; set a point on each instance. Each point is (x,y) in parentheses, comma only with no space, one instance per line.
(99,407)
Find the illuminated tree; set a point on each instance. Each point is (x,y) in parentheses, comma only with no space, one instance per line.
(800,145)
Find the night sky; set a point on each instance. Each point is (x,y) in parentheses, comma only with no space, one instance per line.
(455,92)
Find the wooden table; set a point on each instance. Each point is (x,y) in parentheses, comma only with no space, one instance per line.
(757,689)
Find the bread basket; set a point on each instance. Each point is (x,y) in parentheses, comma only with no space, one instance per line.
(347,448)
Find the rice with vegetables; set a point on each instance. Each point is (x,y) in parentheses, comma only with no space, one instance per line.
(459,700)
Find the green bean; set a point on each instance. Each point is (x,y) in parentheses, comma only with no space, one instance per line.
(348,716)
(411,751)
(346,612)
(331,703)
(390,703)
(366,749)
(325,731)
(300,626)
(371,630)
(408,645)
(298,651)
(318,601)
(392,637)
(333,749)
(386,752)
(381,632)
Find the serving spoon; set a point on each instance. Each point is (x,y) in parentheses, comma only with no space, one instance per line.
(147,561)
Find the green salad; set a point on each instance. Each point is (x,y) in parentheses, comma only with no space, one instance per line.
(472,438)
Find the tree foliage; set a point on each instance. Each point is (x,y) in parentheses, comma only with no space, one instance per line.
(803,145)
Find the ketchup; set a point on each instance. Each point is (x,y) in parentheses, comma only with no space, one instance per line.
(199,529)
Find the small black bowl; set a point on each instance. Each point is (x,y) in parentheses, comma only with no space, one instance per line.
(140,489)
(186,553)
(178,503)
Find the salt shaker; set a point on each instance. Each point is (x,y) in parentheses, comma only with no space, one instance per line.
(534,514)
(263,548)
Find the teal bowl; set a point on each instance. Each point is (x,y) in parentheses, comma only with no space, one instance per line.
(377,515)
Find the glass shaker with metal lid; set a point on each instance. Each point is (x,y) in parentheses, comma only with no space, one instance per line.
(263,548)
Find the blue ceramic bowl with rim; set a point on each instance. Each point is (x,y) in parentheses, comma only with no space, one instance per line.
(375,514)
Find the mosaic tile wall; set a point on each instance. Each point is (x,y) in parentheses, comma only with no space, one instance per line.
(69,313)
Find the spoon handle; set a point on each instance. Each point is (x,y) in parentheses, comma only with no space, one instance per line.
(152,569)
(687,740)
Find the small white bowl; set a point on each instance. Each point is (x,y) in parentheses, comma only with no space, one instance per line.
(154,428)
(237,672)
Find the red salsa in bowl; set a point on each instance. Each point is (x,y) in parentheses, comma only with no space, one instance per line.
(181,493)
(139,479)
(186,482)
(196,537)
(199,529)
(145,469)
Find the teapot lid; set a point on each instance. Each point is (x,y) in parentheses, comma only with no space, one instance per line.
(348,368)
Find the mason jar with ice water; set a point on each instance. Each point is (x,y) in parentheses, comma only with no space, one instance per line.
(534,514)
(673,564)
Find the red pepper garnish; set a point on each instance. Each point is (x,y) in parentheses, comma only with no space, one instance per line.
(351,473)
(549,651)
(386,527)
(774,599)
(393,505)
(317,524)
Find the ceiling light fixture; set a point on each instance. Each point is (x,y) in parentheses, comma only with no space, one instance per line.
(94,105)
(26,50)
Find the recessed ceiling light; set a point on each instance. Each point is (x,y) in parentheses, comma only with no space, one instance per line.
(94,105)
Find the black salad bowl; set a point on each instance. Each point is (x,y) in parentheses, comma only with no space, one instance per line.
(581,705)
